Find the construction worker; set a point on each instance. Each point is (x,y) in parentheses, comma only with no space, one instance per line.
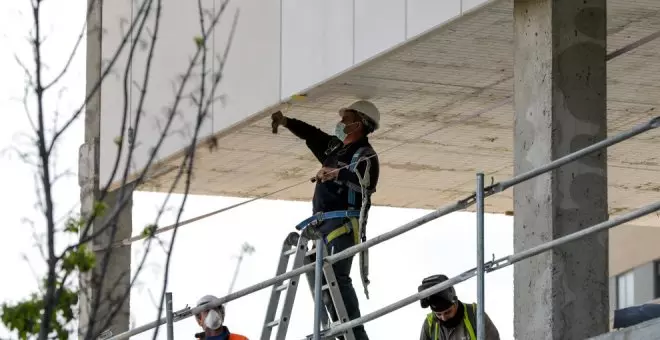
(450,319)
(347,178)
(212,322)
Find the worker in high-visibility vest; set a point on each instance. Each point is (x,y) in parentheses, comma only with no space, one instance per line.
(212,321)
(347,178)
(450,319)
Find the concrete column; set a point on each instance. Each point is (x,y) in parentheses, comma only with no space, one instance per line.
(111,316)
(109,290)
(560,107)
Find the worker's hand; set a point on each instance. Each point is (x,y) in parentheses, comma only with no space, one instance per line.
(278,119)
(327,174)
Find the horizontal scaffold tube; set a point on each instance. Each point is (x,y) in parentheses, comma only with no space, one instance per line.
(605,143)
(185,313)
(456,206)
(503,262)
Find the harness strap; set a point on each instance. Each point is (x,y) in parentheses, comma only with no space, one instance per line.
(322,216)
(361,232)
(351,226)
(353,168)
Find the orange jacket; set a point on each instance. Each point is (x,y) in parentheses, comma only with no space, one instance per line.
(232,336)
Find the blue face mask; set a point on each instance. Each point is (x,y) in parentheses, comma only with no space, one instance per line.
(339,131)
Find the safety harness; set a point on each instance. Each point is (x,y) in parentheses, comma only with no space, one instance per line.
(357,218)
(434,325)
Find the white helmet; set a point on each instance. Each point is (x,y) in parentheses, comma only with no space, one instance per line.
(368,109)
(208,299)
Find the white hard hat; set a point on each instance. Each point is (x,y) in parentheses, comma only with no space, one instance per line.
(208,299)
(368,109)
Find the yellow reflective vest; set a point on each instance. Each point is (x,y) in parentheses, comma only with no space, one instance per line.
(468,319)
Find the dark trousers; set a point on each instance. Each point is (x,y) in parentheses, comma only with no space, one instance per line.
(342,271)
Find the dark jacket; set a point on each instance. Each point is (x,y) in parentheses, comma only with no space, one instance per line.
(432,328)
(330,151)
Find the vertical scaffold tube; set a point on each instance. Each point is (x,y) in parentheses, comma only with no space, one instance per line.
(318,291)
(481,273)
(169,316)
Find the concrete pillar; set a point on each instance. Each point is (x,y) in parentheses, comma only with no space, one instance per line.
(111,316)
(560,107)
(109,289)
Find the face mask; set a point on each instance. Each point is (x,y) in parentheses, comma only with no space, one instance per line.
(339,130)
(213,320)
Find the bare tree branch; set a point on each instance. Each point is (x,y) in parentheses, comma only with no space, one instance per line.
(60,269)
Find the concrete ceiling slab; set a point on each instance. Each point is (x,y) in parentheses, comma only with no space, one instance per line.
(447,113)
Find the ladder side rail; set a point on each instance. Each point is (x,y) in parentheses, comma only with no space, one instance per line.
(292,288)
(337,299)
(275,294)
(325,320)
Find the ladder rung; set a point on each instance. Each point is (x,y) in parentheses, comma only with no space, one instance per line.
(325,287)
(311,252)
(289,252)
(282,287)
(273,323)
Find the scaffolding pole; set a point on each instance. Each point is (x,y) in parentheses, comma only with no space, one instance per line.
(450,208)
(481,269)
(492,266)
(169,316)
(605,143)
(318,289)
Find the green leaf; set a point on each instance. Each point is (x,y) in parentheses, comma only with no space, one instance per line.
(81,259)
(149,231)
(100,208)
(73,225)
(199,41)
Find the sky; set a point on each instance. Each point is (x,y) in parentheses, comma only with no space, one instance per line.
(205,252)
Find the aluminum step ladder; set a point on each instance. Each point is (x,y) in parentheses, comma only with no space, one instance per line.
(296,245)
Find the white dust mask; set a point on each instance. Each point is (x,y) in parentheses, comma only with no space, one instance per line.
(213,320)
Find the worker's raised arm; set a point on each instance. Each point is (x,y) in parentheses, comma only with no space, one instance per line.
(317,140)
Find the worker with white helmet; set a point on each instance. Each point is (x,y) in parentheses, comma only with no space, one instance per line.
(212,322)
(347,178)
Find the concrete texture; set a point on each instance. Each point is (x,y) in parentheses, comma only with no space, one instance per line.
(110,290)
(101,292)
(447,113)
(649,330)
(560,107)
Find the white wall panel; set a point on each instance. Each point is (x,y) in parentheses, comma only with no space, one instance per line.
(317,41)
(250,81)
(379,25)
(252,70)
(114,103)
(426,14)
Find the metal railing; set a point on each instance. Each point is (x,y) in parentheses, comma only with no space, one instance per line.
(482,267)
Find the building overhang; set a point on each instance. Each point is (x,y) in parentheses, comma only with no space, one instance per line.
(446,100)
